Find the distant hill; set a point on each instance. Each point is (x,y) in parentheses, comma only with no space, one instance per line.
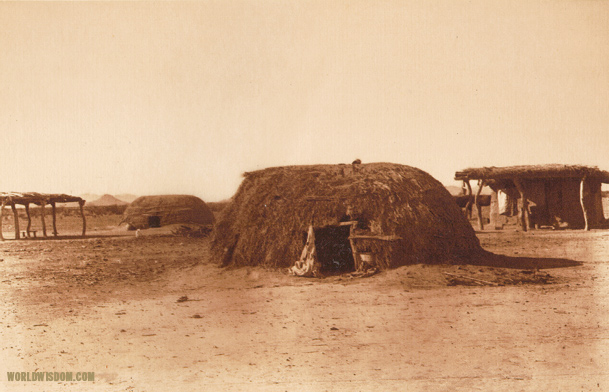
(126,197)
(454,190)
(107,200)
(89,196)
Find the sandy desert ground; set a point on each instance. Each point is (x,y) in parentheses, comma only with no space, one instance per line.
(116,305)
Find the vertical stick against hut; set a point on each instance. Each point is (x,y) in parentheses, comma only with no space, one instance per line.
(357,260)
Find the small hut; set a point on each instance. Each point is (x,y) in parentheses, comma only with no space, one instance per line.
(161,210)
(565,196)
(379,214)
(40,199)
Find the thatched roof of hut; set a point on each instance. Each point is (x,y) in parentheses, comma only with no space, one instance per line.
(533,171)
(168,209)
(266,222)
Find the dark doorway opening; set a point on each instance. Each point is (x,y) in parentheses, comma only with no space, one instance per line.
(154,221)
(334,249)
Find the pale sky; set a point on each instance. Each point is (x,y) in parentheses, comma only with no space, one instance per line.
(152,98)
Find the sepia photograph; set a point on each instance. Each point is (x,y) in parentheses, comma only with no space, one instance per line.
(304,195)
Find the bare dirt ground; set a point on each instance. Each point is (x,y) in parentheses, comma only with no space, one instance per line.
(155,314)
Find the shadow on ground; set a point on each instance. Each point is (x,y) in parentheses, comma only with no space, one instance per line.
(501,261)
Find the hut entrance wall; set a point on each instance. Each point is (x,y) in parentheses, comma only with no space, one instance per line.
(334,252)
(154,221)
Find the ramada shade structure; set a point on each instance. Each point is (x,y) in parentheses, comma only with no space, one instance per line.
(565,193)
(40,199)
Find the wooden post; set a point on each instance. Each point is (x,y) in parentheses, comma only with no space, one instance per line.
(494,214)
(82,213)
(16,218)
(524,205)
(478,206)
(581,200)
(29,219)
(2,219)
(54,218)
(44,225)
(468,206)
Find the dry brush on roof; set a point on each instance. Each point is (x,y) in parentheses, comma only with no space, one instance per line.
(533,171)
(168,209)
(268,216)
(37,198)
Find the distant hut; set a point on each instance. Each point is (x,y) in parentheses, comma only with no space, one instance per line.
(544,195)
(156,211)
(378,214)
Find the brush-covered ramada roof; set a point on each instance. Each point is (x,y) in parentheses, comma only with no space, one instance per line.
(533,171)
(37,198)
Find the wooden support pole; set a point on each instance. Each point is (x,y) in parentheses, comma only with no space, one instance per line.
(54,210)
(581,200)
(2,219)
(357,258)
(44,225)
(524,205)
(16,223)
(478,206)
(468,206)
(494,213)
(82,214)
(29,219)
